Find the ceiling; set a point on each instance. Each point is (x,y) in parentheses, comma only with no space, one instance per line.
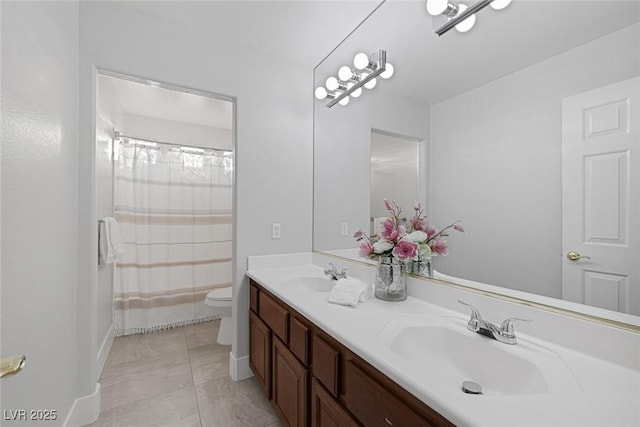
(300,32)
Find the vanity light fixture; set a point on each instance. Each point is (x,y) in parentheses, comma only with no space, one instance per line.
(350,80)
(460,16)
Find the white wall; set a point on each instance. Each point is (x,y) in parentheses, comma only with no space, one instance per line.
(273,146)
(497,165)
(39,228)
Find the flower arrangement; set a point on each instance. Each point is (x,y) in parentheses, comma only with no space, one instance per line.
(412,241)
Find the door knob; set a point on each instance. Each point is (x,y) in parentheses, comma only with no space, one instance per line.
(12,365)
(575,256)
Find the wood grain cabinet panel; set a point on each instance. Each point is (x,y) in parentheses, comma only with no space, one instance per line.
(290,382)
(260,352)
(326,364)
(274,315)
(326,411)
(299,339)
(253,297)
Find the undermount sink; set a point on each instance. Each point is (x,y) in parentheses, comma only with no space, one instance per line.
(443,350)
(310,284)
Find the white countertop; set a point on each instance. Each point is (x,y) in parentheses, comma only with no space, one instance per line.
(604,393)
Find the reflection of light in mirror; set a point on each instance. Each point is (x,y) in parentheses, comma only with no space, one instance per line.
(388,71)
(321,93)
(468,23)
(500,4)
(361,61)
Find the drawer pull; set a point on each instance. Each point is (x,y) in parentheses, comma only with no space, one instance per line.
(388,422)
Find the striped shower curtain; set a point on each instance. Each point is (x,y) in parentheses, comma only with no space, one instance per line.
(174,208)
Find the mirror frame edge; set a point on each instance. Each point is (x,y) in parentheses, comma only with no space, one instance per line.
(520,301)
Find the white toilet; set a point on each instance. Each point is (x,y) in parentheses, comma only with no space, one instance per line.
(219,300)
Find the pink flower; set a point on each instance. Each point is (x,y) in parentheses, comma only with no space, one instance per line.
(358,234)
(430,231)
(393,235)
(458,227)
(417,223)
(416,206)
(440,247)
(388,205)
(365,249)
(405,249)
(387,227)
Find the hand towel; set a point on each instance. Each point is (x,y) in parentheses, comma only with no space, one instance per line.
(349,291)
(111,244)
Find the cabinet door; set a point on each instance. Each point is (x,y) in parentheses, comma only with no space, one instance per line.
(326,411)
(260,352)
(290,381)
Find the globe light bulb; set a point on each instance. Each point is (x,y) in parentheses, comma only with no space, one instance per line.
(468,23)
(344,101)
(436,7)
(388,71)
(370,84)
(360,61)
(344,73)
(332,83)
(500,4)
(356,93)
(321,93)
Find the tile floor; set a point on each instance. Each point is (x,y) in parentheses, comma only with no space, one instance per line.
(178,377)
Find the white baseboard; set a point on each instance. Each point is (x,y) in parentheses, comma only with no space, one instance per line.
(84,410)
(105,348)
(239,367)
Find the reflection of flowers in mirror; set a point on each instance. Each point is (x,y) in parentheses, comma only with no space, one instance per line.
(412,241)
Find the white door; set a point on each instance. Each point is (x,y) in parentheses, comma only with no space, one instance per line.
(601,197)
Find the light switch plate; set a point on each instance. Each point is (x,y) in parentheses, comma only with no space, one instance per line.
(275,230)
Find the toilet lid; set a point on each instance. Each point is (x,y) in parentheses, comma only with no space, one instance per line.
(221,294)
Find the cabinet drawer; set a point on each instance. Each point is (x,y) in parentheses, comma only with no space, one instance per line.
(253,297)
(374,406)
(274,315)
(299,340)
(326,364)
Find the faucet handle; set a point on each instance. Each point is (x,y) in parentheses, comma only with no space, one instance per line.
(474,322)
(506,328)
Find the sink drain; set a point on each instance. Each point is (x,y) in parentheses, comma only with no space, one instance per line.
(471,387)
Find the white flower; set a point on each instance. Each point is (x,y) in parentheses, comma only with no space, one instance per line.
(382,246)
(417,236)
(424,251)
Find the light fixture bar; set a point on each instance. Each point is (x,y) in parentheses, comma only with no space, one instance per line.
(476,7)
(380,68)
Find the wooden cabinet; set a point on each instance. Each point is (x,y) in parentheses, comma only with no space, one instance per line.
(290,384)
(313,380)
(326,411)
(260,352)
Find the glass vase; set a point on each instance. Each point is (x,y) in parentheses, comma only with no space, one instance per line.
(391,279)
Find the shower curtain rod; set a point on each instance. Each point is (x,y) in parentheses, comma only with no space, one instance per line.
(118,135)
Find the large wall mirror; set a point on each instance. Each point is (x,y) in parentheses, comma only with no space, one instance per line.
(526,129)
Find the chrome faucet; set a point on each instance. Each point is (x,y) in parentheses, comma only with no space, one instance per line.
(503,333)
(334,274)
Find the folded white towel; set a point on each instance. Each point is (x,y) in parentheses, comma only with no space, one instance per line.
(111,244)
(349,291)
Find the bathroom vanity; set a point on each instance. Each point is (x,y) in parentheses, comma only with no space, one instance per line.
(404,363)
(298,364)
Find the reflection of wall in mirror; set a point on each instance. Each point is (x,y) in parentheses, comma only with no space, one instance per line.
(342,144)
(394,173)
(498,168)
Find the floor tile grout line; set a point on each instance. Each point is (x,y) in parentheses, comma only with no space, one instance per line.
(193,381)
